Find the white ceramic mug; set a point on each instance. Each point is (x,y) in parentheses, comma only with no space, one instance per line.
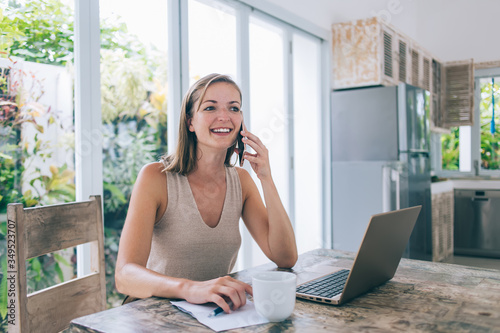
(274,294)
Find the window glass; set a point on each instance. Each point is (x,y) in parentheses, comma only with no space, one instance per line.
(212,39)
(489,122)
(37,159)
(450,145)
(307,142)
(133,105)
(457,150)
(267,100)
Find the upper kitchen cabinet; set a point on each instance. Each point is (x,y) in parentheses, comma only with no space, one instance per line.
(369,52)
(363,54)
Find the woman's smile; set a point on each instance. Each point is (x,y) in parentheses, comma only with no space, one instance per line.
(221,130)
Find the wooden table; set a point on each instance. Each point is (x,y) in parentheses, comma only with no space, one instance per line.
(422,297)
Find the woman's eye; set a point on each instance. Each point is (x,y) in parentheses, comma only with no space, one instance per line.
(209,108)
(235,109)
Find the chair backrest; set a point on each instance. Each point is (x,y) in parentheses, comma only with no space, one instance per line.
(32,232)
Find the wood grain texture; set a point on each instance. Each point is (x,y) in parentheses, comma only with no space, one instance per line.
(52,307)
(66,225)
(422,297)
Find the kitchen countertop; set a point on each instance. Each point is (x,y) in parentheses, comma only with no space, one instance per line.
(466,183)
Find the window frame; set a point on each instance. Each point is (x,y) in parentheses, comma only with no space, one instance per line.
(472,147)
(88,135)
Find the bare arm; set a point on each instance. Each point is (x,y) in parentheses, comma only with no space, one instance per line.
(132,277)
(147,204)
(269,225)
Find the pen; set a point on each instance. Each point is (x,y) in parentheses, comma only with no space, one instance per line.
(219,310)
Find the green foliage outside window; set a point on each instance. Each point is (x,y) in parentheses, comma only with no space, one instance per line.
(490,143)
(450,150)
(490,150)
(133,93)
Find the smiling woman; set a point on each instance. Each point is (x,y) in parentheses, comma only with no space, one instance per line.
(220,111)
(184,159)
(181,236)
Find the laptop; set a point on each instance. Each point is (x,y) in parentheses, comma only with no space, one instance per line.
(376,262)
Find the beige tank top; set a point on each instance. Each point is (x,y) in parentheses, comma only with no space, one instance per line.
(184,246)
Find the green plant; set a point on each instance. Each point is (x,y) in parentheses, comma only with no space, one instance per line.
(111,241)
(38,31)
(23,179)
(490,150)
(450,150)
(124,155)
(133,109)
(134,129)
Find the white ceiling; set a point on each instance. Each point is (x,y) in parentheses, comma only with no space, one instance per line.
(449,29)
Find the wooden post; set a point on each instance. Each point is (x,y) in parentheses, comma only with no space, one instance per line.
(16,269)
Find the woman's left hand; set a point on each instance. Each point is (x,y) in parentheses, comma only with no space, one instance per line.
(260,160)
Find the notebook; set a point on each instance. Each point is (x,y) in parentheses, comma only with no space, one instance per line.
(376,262)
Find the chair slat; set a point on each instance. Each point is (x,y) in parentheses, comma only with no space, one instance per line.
(84,296)
(57,227)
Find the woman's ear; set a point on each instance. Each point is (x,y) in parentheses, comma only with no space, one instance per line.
(190,125)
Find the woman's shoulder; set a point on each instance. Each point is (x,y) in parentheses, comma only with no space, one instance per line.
(152,173)
(153,168)
(244,176)
(241,172)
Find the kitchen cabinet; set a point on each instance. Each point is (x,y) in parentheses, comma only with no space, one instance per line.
(370,52)
(442,220)
(364,54)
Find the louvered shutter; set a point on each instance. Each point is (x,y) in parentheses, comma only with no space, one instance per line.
(426,80)
(388,61)
(458,97)
(436,96)
(415,72)
(403,55)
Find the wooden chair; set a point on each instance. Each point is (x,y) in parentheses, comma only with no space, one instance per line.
(32,232)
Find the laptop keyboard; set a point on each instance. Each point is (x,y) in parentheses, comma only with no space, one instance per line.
(328,286)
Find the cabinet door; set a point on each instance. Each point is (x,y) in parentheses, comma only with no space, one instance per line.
(458,93)
(356,51)
(436,98)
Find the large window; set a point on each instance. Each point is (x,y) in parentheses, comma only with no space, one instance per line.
(267,99)
(37,133)
(308,142)
(474,150)
(212,39)
(133,106)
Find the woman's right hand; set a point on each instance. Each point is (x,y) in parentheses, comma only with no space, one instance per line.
(218,291)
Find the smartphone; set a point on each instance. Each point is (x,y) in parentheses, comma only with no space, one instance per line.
(241,146)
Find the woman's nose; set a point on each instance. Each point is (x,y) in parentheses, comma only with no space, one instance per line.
(223,114)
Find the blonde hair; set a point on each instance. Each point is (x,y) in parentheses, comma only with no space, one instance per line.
(183,161)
